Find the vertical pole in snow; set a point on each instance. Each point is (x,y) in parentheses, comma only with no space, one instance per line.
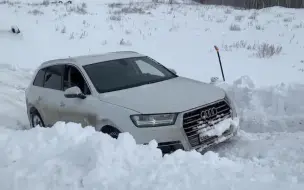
(219,57)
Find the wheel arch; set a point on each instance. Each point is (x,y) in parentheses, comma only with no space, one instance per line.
(106,123)
(108,127)
(33,110)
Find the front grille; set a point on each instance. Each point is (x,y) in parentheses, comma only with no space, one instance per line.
(194,123)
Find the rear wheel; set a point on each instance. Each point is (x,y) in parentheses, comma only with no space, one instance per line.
(113,132)
(36,119)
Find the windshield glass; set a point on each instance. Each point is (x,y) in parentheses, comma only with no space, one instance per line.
(126,73)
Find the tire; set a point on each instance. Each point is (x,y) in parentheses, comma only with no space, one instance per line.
(36,119)
(113,132)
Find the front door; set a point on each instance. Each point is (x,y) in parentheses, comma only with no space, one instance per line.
(75,109)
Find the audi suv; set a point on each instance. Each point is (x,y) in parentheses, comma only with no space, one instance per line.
(126,91)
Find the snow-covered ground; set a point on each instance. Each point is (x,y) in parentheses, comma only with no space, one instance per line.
(268,91)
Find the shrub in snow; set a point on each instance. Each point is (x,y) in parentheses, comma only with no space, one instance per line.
(72,36)
(132,10)
(228,11)
(125,43)
(45,2)
(104,42)
(35,12)
(115,5)
(115,17)
(63,30)
(174,27)
(266,50)
(79,9)
(239,18)
(297,26)
(253,16)
(83,34)
(221,20)
(9,2)
(259,27)
(263,50)
(289,19)
(234,27)
(239,44)
(128,32)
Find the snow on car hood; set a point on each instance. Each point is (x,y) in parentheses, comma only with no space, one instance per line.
(174,95)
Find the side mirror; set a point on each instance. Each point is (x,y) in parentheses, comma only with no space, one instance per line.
(74,92)
(173,71)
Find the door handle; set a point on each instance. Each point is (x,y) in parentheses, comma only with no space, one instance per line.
(62,104)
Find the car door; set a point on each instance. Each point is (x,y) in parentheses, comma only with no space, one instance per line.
(49,97)
(75,110)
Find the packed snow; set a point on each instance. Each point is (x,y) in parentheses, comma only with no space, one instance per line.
(221,127)
(264,81)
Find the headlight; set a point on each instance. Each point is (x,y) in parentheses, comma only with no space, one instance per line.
(154,120)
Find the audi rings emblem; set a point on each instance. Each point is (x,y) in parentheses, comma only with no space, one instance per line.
(207,114)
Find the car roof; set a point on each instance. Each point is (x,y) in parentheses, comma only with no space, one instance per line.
(93,58)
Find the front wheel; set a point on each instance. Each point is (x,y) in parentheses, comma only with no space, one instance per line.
(113,132)
(36,120)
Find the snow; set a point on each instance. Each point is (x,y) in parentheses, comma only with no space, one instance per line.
(268,92)
(222,126)
(70,157)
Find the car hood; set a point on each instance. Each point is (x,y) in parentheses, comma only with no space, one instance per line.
(174,95)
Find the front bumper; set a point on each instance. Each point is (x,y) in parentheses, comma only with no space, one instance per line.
(206,141)
(194,132)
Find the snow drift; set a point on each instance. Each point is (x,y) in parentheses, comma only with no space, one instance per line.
(70,157)
(276,108)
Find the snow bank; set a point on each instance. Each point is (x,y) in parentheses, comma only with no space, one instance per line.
(70,157)
(13,82)
(277,108)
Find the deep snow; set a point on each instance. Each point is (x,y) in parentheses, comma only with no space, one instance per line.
(70,157)
(268,152)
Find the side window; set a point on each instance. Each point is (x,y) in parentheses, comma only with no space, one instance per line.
(73,77)
(53,77)
(38,81)
(146,68)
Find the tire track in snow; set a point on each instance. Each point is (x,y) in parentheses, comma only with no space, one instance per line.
(272,126)
(13,82)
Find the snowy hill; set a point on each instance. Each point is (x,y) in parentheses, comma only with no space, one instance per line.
(262,54)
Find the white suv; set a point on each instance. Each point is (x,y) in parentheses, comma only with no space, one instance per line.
(129,92)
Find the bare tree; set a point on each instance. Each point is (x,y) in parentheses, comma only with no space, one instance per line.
(256,4)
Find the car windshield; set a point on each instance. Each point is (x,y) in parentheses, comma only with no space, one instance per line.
(126,73)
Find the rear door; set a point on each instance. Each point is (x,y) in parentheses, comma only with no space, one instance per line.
(49,97)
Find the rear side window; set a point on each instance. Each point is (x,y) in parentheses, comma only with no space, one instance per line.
(53,77)
(38,81)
